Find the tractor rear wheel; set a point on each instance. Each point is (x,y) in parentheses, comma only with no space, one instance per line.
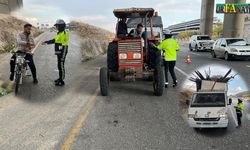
(158,81)
(104,81)
(112,57)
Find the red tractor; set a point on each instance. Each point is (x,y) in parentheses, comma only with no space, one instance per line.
(130,58)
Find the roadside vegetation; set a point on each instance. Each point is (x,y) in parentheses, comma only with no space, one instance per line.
(217,32)
(5,88)
(185,35)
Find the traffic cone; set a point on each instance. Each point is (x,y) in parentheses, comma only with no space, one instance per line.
(188,60)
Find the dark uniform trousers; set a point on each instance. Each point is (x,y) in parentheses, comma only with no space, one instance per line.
(169,66)
(60,62)
(239,115)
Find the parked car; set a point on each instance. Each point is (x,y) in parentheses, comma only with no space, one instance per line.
(200,42)
(230,48)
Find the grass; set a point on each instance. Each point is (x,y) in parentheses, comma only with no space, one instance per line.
(5,88)
(4,85)
(7,48)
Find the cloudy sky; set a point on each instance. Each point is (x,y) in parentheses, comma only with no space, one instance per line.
(99,12)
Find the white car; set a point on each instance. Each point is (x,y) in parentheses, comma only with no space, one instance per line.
(230,48)
(200,42)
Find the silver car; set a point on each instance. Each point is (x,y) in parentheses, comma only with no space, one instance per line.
(229,48)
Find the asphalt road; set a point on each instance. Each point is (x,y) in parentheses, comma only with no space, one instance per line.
(47,117)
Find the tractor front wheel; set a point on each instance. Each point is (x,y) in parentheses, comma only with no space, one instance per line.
(158,81)
(104,81)
(112,57)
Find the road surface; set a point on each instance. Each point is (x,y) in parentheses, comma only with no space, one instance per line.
(77,117)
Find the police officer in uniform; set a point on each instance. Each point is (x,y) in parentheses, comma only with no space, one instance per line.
(239,108)
(61,41)
(170,47)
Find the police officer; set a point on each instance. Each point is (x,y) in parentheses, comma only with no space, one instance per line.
(170,47)
(61,41)
(239,108)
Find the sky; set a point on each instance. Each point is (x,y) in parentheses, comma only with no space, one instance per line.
(100,12)
(235,85)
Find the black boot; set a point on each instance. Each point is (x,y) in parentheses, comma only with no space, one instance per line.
(35,81)
(57,80)
(166,84)
(11,76)
(60,83)
(175,84)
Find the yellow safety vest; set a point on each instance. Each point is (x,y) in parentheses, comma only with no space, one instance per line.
(62,38)
(169,46)
(240,106)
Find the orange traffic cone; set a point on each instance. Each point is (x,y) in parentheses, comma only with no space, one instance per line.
(188,60)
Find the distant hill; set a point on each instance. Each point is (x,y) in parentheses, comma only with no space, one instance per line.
(89,31)
(243,94)
(94,40)
(9,28)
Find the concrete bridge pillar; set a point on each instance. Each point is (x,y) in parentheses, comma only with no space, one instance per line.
(233,25)
(207,17)
(7,6)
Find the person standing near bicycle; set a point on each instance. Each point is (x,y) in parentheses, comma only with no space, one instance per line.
(24,44)
(61,41)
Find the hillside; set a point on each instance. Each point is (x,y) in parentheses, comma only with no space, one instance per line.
(10,27)
(94,40)
(245,95)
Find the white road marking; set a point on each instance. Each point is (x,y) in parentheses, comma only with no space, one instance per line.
(232,113)
(248,66)
(39,38)
(248,116)
(181,71)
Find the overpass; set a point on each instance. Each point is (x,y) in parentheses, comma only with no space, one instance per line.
(7,6)
(193,25)
(233,24)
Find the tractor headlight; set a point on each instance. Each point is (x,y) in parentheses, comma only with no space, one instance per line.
(137,55)
(123,56)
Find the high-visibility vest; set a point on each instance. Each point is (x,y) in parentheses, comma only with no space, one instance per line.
(62,38)
(240,106)
(170,47)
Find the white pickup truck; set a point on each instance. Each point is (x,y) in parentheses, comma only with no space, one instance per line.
(209,108)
